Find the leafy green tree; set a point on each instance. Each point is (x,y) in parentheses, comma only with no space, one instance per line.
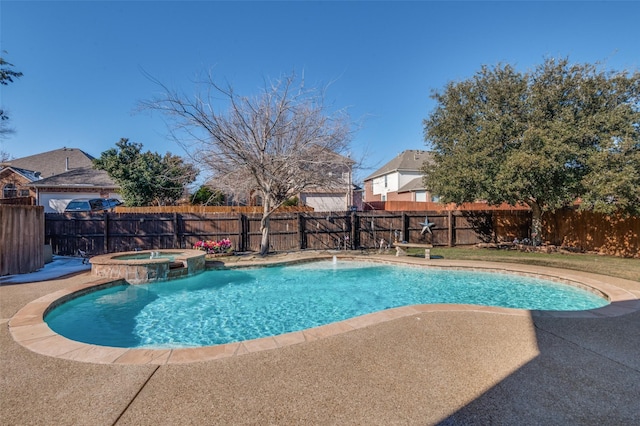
(146,178)
(560,133)
(7,74)
(205,196)
(291,202)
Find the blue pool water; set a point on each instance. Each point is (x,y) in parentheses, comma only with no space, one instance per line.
(225,306)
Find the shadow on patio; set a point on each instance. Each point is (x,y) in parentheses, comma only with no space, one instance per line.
(587,372)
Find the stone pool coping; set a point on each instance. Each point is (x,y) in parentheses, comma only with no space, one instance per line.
(28,328)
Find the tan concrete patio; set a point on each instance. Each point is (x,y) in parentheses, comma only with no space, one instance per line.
(448,365)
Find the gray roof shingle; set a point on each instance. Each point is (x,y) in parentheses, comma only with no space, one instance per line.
(409,160)
(54,162)
(413,185)
(85,177)
(30,175)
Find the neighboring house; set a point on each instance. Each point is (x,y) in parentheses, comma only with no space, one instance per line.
(341,196)
(16,182)
(54,178)
(400,179)
(55,192)
(54,162)
(333,200)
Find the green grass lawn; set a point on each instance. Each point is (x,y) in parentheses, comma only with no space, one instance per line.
(606,265)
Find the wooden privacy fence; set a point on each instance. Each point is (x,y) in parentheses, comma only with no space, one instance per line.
(21,239)
(208,209)
(115,232)
(18,201)
(615,235)
(400,206)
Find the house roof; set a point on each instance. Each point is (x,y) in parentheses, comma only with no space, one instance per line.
(29,175)
(85,177)
(409,160)
(413,185)
(54,162)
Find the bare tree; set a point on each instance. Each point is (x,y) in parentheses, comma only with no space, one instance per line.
(4,156)
(7,74)
(275,144)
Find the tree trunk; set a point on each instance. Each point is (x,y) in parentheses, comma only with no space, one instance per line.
(536,224)
(264,227)
(264,243)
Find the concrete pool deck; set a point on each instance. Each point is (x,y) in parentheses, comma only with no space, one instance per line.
(448,364)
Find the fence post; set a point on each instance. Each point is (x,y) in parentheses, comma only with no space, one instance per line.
(240,233)
(405,227)
(494,236)
(243,238)
(175,230)
(106,232)
(76,243)
(355,231)
(450,232)
(301,232)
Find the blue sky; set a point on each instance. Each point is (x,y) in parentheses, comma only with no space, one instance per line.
(84,63)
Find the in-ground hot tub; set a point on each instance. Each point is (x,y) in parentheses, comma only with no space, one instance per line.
(139,267)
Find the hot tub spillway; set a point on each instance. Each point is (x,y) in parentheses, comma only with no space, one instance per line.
(143,267)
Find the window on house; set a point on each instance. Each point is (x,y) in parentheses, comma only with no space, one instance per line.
(9,191)
(385,181)
(24,193)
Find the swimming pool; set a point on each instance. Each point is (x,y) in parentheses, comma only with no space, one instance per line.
(217,307)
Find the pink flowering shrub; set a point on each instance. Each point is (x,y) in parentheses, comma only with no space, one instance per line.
(222,246)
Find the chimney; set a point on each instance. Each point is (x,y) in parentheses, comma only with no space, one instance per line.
(66,165)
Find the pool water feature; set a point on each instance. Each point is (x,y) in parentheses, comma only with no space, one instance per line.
(223,306)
